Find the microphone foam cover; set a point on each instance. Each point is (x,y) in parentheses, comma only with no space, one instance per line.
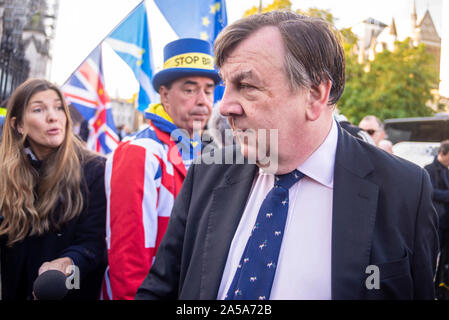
(50,285)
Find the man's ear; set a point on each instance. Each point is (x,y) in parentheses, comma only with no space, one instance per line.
(318,100)
(163,93)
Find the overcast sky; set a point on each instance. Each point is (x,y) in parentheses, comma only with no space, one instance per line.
(82,24)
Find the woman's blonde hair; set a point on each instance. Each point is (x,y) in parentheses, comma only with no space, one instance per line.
(28,197)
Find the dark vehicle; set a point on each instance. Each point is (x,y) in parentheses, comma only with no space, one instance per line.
(426,129)
(417,139)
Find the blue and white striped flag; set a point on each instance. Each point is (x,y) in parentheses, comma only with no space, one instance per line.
(131,41)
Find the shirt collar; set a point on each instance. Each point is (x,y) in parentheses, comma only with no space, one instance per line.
(320,165)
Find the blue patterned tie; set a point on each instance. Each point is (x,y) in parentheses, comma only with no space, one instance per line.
(254,276)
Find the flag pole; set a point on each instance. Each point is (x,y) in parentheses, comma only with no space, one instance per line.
(104,38)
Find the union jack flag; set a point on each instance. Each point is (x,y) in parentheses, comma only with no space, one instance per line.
(85,91)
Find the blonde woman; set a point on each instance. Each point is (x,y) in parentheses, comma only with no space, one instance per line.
(52,197)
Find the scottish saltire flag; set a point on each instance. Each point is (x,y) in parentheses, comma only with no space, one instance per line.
(203,19)
(131,41)
(85,90)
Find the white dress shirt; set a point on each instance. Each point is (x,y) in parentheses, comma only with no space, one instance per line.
(304,265)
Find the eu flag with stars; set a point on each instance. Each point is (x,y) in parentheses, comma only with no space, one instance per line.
(203,19)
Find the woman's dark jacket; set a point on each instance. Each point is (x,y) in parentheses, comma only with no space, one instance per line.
(82,239)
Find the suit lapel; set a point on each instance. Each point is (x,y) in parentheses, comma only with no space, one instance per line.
(353,218)
(228,203)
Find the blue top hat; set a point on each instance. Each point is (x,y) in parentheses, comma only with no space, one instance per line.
(186,57)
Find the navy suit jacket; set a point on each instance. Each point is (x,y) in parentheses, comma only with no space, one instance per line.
(439,176)
(382,215)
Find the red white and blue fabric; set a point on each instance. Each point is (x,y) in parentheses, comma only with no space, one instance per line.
(143,177)
(255,273)
(85,91)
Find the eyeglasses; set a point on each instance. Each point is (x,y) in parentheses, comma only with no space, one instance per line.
(370,131)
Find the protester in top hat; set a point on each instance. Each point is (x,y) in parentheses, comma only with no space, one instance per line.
(149,169)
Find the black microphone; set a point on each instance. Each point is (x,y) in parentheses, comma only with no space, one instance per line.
(50,285)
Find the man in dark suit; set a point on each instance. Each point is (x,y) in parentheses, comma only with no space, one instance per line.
(350,221)
(439,175)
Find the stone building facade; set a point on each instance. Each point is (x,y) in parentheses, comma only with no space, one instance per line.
(27,29)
